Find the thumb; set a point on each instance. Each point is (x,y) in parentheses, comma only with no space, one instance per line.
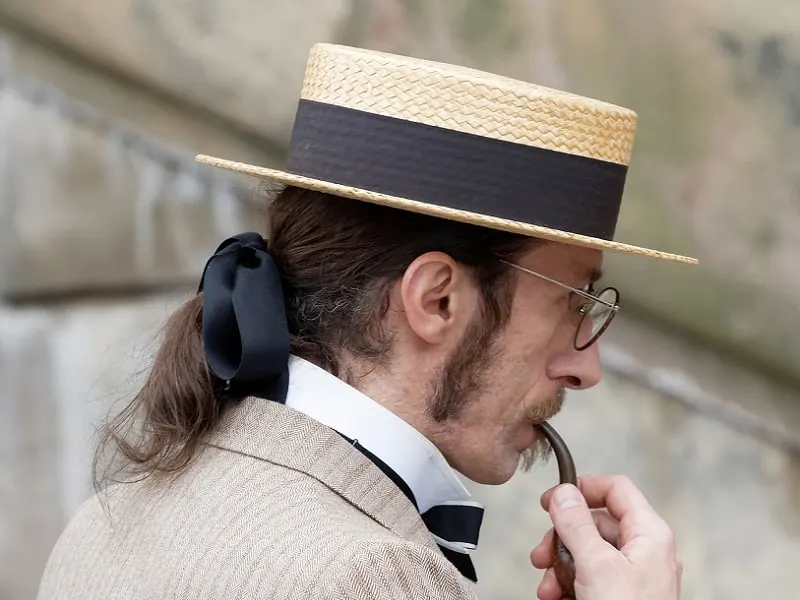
(573,522)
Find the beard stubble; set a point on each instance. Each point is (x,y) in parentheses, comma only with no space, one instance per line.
(465,378)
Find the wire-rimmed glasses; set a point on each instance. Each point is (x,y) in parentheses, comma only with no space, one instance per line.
(598,312)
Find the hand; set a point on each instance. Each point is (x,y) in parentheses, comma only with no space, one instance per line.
(610,513)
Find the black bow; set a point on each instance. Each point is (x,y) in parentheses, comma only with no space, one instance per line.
(245,331)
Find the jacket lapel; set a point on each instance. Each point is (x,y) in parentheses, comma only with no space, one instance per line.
(278,434)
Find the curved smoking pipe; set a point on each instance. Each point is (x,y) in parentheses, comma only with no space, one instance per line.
(563,564)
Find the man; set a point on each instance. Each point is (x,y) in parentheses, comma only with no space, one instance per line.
(426,297)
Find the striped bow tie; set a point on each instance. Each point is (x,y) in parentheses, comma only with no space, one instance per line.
(456,526)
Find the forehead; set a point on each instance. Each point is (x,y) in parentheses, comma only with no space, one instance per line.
(567,263)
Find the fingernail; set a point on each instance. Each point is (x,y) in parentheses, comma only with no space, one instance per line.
(567,496)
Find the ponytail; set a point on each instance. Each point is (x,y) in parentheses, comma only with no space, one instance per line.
(159,431)
(229,341)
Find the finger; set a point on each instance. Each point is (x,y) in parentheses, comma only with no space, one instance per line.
(607,525)
(617,493)
(640,525)
(541,556)
(544,500)
(548,587)
(575,524)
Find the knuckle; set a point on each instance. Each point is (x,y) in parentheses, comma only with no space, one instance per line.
(666,536)
(656,530)
(660,531)
(581,527)
(599,560)
(622,486)
(571,523)
(622,481)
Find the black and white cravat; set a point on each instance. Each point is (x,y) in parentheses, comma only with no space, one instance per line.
(455,525)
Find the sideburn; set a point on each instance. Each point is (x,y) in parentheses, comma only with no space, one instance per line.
(463,375)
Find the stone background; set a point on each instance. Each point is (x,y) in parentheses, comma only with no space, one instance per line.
(715,85)
(105,222)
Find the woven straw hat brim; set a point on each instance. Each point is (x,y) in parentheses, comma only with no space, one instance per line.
(439,211)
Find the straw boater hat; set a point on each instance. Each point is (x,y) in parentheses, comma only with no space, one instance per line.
(459,144)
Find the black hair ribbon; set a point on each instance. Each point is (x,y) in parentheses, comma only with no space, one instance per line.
(245,331)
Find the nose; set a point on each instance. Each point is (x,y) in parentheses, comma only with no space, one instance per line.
(577,370)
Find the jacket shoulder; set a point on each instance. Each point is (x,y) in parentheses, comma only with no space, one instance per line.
(396,569)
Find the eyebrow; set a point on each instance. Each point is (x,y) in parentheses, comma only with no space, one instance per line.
(593,274)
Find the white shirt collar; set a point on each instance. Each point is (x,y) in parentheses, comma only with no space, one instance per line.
(334,403)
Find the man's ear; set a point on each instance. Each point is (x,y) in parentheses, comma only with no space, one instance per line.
(437,296)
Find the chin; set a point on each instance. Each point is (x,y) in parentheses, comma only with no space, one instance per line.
(492,474)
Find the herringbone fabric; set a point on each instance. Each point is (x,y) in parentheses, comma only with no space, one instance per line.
(276,506)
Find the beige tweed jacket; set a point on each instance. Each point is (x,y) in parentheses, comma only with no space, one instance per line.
(276,505)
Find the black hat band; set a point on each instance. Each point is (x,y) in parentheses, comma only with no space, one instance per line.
(457,170)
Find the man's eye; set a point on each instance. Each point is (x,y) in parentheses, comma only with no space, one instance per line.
(575,300)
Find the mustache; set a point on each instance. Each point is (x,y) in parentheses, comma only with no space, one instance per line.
(547,409)
(541,450)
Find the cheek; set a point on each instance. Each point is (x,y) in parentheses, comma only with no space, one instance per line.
(537,319)
(519,371)
(517,364)
(527,341)
(540,332)
(521,360)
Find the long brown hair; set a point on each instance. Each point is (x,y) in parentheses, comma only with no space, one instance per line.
(337,259)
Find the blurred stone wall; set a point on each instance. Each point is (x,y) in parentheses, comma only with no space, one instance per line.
(105,223)
(715,84)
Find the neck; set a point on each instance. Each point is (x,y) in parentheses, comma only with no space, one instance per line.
(403,389)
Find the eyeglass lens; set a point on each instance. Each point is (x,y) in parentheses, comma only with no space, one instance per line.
(596,319)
